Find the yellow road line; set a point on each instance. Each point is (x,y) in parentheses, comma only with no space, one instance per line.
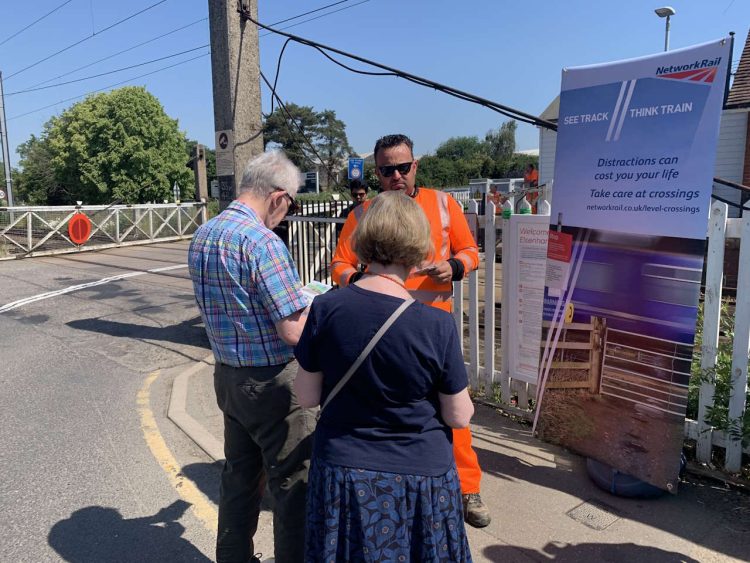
(200,505)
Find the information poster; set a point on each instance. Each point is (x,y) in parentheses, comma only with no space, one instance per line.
(525,271)
(633,176)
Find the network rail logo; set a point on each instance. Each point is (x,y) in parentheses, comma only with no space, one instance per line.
(697,71)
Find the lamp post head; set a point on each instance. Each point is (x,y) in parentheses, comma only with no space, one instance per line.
(665,12)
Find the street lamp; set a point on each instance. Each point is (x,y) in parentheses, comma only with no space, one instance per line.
(665,12)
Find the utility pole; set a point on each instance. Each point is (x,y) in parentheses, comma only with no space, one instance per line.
(199,170)
(6,151)
(236,88)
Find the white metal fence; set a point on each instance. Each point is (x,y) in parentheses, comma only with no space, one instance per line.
(36,231)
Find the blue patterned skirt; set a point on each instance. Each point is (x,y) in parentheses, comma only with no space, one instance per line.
(373,516)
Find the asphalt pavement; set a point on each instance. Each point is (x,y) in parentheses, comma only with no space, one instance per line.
(543,504)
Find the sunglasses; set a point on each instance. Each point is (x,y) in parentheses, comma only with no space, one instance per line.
(293,205)
(402,168)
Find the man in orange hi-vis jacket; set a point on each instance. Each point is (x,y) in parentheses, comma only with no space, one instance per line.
(456,254)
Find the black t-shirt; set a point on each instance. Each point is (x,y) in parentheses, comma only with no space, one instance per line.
(387,416)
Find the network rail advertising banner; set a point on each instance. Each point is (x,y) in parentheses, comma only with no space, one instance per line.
(634,169)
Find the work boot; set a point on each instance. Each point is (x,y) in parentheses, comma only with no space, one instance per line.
(476,512)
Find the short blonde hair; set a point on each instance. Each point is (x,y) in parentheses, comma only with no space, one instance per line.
(394,230)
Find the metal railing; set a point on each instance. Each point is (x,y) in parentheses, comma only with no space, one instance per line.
(38,231)
(312,236)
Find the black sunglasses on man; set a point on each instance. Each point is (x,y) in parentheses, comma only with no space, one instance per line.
(402,168)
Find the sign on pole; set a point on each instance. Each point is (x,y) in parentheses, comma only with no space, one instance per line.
(312,184)
(225,166)
(634,164)
(225,153)
(356,169)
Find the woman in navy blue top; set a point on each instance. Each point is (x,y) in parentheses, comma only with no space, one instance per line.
(383,484)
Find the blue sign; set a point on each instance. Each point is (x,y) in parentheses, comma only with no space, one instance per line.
(356,168)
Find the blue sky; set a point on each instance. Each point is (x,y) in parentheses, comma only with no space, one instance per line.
(509,51)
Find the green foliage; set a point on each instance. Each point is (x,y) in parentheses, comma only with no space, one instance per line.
(371,179)
(277,132)
(36,181)
(501,143)
(212,208)
(720,376)
(332,144)
(322,196)
(114,146)
(14,180)
(459,159)
(461,148)
(323,130)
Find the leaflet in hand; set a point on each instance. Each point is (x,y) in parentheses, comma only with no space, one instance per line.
(315,288)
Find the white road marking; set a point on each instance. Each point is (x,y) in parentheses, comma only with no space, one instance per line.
(72,288)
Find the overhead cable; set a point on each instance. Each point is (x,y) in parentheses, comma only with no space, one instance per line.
(288,118)
(184,27)
(108,72)
(495,106)
(20,31)
(317,17)
(93,34)
(108,87)
(310,12)
(119,52)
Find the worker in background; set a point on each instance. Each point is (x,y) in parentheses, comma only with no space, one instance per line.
(495,197)
(531,180)
(456,254)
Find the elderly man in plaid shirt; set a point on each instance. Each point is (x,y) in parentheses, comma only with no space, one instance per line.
(250,297)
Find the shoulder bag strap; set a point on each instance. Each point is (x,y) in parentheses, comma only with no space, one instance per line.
(370,345)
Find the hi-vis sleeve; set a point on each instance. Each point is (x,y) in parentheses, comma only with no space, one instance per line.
(463,245)
(345,261)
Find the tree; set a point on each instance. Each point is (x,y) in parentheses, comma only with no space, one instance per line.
(36,182)
(280,131)
(501,142)
(460,148)
(455,162)
(323,130)
(115,146)
(332,144)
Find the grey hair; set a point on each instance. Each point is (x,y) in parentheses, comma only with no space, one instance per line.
(269,171)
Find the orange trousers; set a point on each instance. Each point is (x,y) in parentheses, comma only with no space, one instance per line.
(467,463)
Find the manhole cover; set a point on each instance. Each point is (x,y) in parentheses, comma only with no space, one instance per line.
(593,514)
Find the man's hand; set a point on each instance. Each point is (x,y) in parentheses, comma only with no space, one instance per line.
(442,272)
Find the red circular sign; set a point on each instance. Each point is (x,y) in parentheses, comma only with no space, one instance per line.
(79,228)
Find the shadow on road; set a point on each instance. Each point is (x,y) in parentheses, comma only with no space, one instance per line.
(96,533)
(573,553)
(206,477)
(190,332)
(702,512)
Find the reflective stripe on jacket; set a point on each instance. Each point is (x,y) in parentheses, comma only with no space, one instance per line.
(451,238)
